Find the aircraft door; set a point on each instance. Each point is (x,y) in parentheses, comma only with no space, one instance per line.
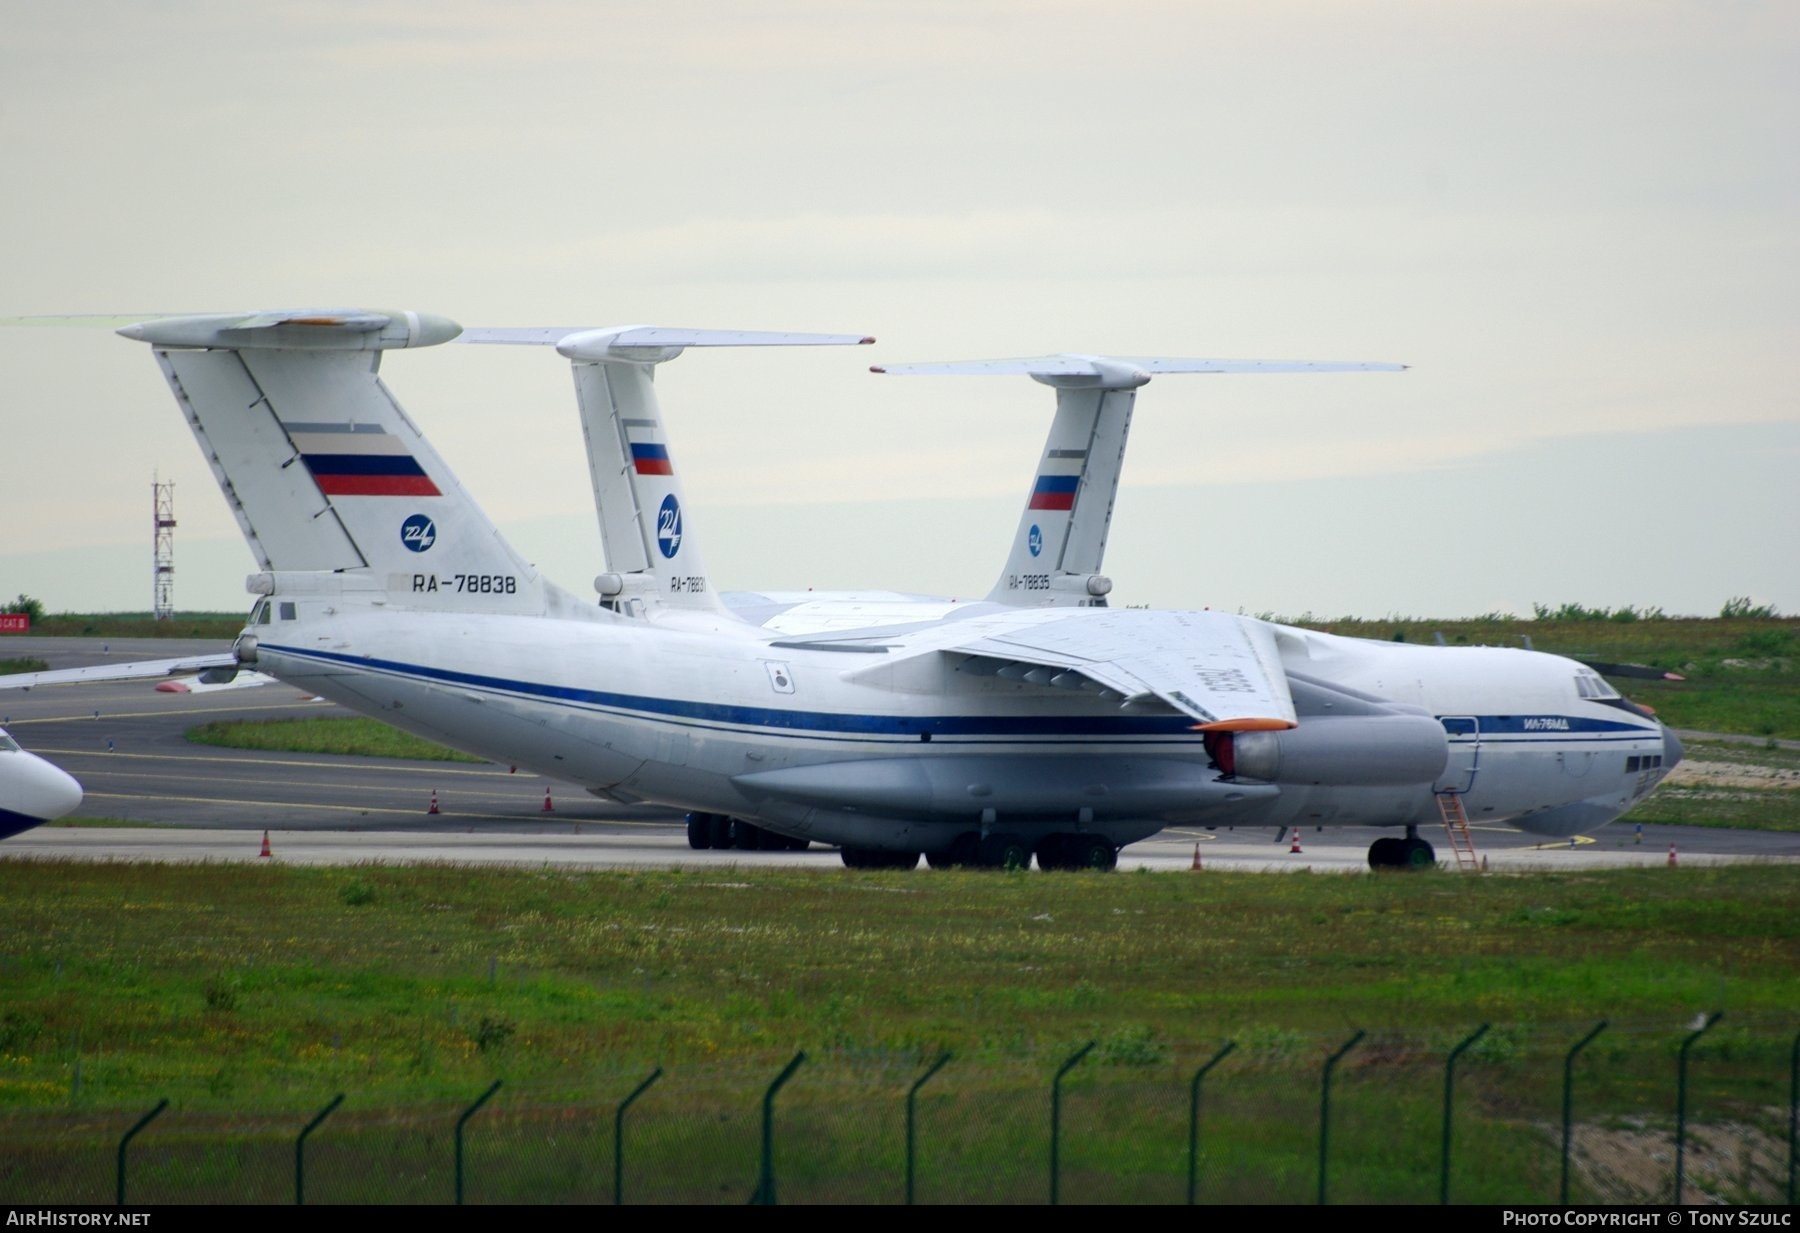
(1464,734)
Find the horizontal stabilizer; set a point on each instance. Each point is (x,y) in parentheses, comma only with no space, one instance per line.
(570,339)
(140,671)
(316,329)
(1120,371)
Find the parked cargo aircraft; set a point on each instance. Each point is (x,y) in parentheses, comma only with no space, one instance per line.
(32,791)
(1035,721)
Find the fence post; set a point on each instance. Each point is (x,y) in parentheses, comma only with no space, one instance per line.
(911,1095)
(1569,1103)
(1056,1121)
(1450,1106)
(619,1135)
(1793,1115)
(1325,1108)
(765,1186)
(1194,1118)
(460,1123)
(131,1134)
(1681,1098)
(300,1150)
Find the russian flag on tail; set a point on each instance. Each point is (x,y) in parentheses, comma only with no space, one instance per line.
(360,460)
(1055,492)
(649,458)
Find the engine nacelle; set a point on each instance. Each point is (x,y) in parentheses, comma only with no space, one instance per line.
(1347,750)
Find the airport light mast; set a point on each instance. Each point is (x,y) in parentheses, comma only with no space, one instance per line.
(163,547)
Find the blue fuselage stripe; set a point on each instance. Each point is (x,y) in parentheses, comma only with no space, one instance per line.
(1494,729)
(12,823)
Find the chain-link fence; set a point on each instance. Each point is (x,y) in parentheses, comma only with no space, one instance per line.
(1391,1121)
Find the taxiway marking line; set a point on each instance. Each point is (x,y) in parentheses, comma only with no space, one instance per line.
(373,763)
(172,712)
(358,809)
(462,794)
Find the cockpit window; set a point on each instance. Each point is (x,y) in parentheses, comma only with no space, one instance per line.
(7,744)
(1593,685)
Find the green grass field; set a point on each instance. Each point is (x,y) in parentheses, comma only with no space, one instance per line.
(326,735)
(242,983)
(221,625)
(248,995)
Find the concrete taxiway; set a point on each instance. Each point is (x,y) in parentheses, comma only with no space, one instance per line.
(184,802)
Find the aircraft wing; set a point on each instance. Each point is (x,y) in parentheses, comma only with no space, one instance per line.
(1222,670)
(142,670)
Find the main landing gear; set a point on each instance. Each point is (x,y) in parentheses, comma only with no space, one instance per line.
(716,830)
(1393,852)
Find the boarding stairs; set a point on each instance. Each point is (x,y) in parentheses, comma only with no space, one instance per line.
(1456,826)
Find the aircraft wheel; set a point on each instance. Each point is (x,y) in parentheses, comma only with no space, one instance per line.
(1385,852)
(699,831)
(960,854)
(1417,854)
(720,826)
(1095,852)
(878,858)
(1002,850)
(1053,852)
(746,836)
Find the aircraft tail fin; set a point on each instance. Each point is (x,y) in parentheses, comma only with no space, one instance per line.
(334,488)
(652,557)
(1060,545)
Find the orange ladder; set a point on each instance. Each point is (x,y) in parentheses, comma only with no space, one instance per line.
(1456,826)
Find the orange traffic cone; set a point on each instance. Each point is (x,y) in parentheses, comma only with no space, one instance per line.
(548,807)
(266,852)
(1295,845)
(1671,856)
(1195,867)
(434,808)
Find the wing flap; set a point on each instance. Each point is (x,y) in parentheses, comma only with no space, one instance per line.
(1223,671)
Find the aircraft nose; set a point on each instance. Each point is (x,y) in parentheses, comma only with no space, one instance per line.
(51,792)
(1671,749)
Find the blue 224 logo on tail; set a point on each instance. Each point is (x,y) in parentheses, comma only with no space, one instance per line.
(668,526)
(418,533)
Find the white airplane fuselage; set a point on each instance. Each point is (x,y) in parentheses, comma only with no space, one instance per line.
(705,713)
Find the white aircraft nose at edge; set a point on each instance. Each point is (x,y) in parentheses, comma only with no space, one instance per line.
(32,791)
(1035,722)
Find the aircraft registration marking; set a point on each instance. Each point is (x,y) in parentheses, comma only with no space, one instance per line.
(466,584)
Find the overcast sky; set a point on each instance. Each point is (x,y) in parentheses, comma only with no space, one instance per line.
(1579,222)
